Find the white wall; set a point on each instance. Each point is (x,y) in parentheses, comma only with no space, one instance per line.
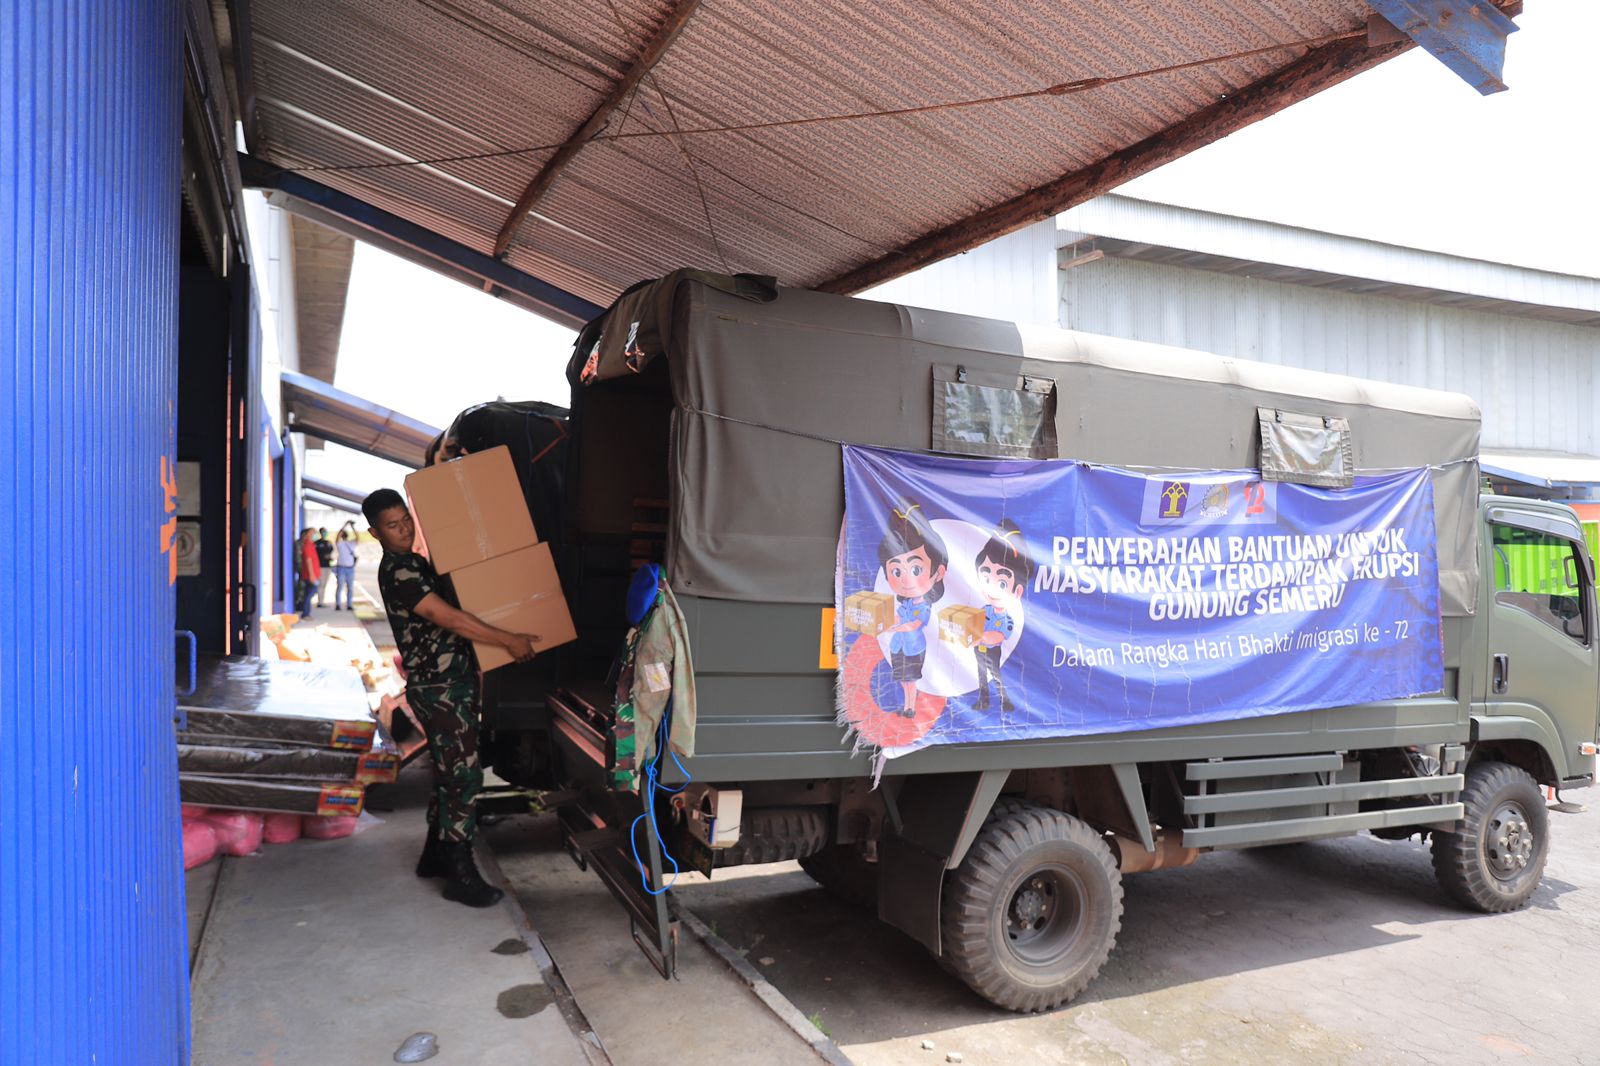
(1536,381)
(1012,277)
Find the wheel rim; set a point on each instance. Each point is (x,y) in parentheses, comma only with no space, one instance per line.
(1508,841)
(1043,917)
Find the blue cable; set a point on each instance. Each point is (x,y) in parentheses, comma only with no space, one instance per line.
(652,785)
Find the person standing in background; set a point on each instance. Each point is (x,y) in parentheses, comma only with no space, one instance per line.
(324,566)
(344,569)
(308,572)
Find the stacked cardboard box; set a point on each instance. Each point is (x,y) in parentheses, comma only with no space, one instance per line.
(869,612)
(474,519)
(963,626)
(268,735)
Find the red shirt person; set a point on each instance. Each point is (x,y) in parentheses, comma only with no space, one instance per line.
(308,571)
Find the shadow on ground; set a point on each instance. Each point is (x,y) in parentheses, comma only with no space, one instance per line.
(1231,913)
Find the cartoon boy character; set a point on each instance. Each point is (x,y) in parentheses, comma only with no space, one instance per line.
(1004,570)
(914,559)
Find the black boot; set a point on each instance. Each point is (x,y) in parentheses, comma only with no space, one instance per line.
(432,863)
(462,881)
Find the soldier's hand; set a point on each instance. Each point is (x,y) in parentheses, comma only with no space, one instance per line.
(521,646)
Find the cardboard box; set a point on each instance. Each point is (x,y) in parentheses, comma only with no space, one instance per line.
(869,612)
(518,592)
(471,509)
(961,625)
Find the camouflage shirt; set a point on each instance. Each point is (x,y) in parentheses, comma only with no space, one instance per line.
(431,653)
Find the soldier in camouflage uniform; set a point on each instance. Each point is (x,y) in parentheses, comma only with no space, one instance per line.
(434,638)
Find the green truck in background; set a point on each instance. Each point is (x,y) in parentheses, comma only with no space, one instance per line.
(704,436)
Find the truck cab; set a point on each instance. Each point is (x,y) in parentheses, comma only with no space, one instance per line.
(1535,694)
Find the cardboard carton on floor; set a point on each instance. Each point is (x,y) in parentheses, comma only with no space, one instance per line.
(470,509)
(518,592)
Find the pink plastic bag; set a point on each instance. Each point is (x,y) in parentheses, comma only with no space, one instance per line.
(199,844)
(280,828)
(238,832)
(330,827)
(190,813)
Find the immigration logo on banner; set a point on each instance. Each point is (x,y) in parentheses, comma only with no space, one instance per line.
(984,600)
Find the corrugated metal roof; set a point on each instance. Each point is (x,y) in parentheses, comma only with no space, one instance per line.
(1131,228)
(321,281)
(1543,469)
(320,410)
(353,83)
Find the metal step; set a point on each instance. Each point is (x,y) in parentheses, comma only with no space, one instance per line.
(594,829)
(583,735)
(1449,785)
(1226,769)
(1252,833)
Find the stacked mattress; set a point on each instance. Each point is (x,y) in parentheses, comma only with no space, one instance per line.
(270,735)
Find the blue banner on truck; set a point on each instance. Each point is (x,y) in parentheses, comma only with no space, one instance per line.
(983,600)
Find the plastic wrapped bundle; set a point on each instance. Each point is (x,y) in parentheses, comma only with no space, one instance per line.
(280,828)
(329,828)
(271,794)
(238,832)
(259,700)
(199,844)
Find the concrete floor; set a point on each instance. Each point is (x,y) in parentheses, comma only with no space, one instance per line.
(708,1016)
(1333,952)
(324,952)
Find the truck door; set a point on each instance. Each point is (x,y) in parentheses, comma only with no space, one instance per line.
(1541,627)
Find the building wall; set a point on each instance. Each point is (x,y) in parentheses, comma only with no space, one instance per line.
(1536,381)
(272,255)
(1012,277)
(93,952)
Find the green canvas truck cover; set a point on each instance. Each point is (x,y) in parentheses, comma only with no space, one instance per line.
(767,382)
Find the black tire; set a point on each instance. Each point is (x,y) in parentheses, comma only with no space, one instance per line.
(1032,912)
(1494,860)
(775,834)
(844,871)
(1004,805)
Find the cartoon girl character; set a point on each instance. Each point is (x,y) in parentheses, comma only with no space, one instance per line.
(1004,570)
(914,559)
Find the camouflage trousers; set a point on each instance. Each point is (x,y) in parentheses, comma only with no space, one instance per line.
(450,717)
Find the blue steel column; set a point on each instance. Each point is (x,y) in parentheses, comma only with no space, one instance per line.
(92,945)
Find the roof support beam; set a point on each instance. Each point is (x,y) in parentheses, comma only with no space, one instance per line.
(1468,36)
(652,51)
(333,489)
(1318,69)
(356,218)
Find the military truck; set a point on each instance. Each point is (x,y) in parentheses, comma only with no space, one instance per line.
(705,434)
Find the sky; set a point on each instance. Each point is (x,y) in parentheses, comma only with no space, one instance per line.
(1410,154)
(430,347)
(1405,153)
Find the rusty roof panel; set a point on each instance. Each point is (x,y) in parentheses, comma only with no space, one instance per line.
(352,83)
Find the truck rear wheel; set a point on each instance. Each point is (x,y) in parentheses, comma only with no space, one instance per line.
(1495,858)
(1032,912)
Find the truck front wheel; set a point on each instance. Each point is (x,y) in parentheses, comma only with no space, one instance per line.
(1032,912)
(1495,858)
